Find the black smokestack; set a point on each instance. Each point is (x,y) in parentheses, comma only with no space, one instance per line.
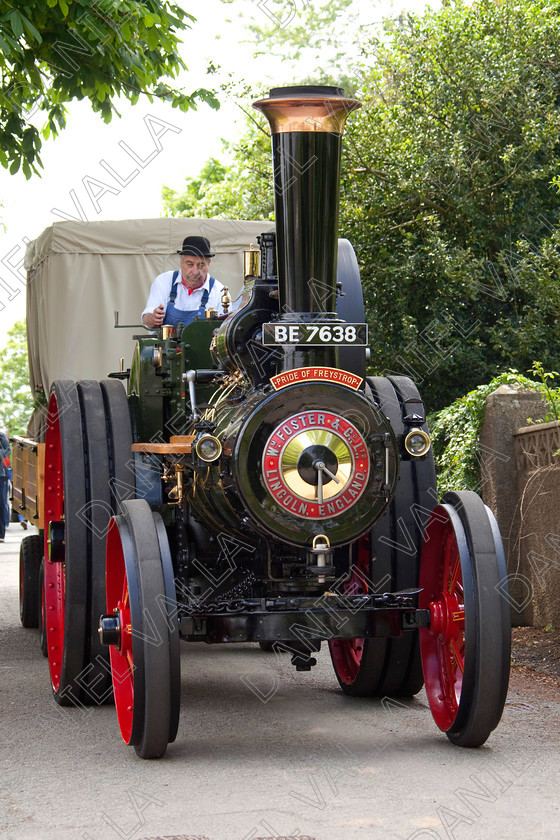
(306,125)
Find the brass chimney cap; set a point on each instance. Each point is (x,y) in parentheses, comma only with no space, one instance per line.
(307,108)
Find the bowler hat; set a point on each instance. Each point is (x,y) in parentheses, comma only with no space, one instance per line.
(196,246)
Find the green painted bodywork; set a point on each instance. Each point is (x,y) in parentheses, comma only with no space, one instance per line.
(156,392)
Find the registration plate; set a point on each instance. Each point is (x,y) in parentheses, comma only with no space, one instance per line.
(315,333)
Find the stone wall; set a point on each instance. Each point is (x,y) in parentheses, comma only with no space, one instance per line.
(521,483)
(537,551)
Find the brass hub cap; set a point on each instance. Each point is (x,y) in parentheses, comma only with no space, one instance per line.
(316,464)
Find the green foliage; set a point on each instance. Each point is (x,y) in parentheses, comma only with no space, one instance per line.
(310,35)
(450,191)
(242,190)
(551,394)
(318,35)
(448,197)
(196,189)
(56,51)
(455,430)
(16,401)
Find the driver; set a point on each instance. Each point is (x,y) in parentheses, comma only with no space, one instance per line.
(186,293)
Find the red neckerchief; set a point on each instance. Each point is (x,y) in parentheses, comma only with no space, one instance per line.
(190,291)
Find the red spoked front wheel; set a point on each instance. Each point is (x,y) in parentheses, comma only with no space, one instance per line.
(466,649)
(141,629)
(118,602)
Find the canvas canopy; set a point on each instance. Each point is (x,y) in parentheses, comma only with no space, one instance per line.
(78,273)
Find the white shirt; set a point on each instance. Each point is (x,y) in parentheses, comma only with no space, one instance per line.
(161,287)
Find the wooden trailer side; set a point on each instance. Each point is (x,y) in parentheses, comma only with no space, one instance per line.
(28,463)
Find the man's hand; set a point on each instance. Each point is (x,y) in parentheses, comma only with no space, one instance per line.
(154,319)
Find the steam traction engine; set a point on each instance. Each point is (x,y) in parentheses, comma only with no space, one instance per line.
(256,485)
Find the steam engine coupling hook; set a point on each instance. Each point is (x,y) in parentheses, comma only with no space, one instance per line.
(322,554)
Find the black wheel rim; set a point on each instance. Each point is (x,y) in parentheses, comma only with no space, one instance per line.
(95,514)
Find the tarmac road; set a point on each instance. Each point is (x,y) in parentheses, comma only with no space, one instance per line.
(309,762)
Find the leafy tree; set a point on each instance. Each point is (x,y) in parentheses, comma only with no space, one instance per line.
(187,203)
(55,51)
(318,35)
(241,190)
(16,401)
(448,193)
(303,35)
(448,190)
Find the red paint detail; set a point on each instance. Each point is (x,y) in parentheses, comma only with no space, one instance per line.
(283,495)
(316,374)
(55,573)
(347,654)
(122,663)
(442,645)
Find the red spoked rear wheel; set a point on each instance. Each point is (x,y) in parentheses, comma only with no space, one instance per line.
(65,548)
(466,649)
(388,560)
(355,662)
(88,443)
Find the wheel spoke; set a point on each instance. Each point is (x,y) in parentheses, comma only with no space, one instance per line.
(449,682)
(458,657)
(452,587)
(446,564)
